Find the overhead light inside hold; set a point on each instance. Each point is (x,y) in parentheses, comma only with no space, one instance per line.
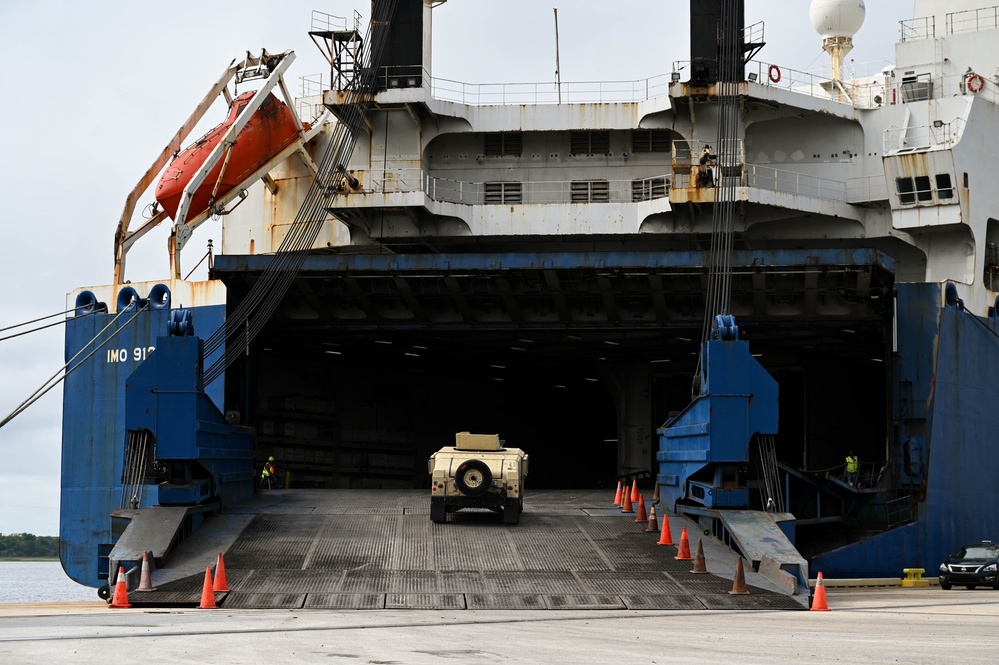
(757,355)
(382,341)
(498,366)
(573,337)
(330,344)
(661,360)
(591,379)
(683,339)
(417,346)
(877,360)
(411,355)
(610,440)
(518,348)
(847,330)
(526,341)
(611,342)
(332,353)
(559,385)
(496,378)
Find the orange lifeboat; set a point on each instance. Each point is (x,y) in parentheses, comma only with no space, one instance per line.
(269,131)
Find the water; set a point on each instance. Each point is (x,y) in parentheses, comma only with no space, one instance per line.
(40,582)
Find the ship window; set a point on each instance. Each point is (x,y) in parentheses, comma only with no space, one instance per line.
(589,143)
(906,190)
(649,140)
(646,189)
(923,191)
(502,192)
(945,190)
(590,191)
(509,144)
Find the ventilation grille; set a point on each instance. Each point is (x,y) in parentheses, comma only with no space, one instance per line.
(650,140)
(503,192)
(590,191)
(589,143)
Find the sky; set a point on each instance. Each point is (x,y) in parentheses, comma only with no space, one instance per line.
(97,89)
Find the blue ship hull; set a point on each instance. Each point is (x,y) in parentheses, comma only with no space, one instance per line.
(94,430)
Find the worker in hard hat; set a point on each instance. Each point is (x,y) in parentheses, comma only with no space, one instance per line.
(852,468)
(268,475)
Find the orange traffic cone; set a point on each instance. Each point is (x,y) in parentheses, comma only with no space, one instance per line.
(617,496)
(634,490)
(699,564)
(665,537)
(207,594)
(684,553)
(120,599)
(220,581)
(739,583)
(653,524)
(819,598)
(145,576)
(626,502)
(640,515)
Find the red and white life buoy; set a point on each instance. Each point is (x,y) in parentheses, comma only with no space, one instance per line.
(975,83)
(774,74)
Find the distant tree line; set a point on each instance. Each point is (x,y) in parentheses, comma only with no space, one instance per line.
(29,545)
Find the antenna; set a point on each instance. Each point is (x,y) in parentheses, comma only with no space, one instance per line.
(558,76)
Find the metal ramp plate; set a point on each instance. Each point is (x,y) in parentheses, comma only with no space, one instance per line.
(760,538)
(758,535)
(152,529)
(369,549)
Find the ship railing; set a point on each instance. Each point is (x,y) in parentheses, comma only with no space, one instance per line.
(969,20)
(921,27)
(450,190)
(919,138)
(312,85)
(323,22)
(568,92)
(867,188)
(865,91)
(546,191)
(898,511)
(790,182)
(972,20)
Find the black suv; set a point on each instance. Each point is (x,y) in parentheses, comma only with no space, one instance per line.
(972,565)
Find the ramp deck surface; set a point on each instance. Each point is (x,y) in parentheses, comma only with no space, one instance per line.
(375,549)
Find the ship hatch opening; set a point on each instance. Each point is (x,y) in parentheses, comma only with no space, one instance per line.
(359,377)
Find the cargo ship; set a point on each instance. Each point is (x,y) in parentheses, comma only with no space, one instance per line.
(410,257)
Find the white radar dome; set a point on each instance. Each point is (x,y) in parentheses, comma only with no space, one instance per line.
(837,18)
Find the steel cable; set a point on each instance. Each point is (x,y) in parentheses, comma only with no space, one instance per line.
(42,318)
(38,394)
(255,310)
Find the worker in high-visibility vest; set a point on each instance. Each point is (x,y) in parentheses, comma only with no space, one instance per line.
(268,476)
(852,468)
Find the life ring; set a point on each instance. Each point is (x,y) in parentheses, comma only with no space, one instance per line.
(774,73)
(975,83)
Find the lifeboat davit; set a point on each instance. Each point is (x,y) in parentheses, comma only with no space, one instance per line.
(270,130)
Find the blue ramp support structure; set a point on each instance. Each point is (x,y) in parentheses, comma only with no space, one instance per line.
(703,449)
(179,440)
